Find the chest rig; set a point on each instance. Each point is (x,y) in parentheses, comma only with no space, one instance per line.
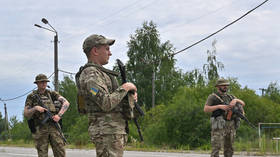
(47,100)
(221,99)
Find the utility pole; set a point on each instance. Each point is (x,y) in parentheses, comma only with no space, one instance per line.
(55,63)
(45,21)
(263,90)
(6,121)
(153,87)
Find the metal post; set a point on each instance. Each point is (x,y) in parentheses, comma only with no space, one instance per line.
(260,140)
(55,63)
(45,21)
(153,88)
(263,90)
(6,121)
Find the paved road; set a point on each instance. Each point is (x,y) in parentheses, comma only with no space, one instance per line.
(31,152)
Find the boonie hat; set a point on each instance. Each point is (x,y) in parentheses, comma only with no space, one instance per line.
(222,82)
(41,78)
(95,40)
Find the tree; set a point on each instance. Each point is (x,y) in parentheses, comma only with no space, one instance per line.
(74,125)
(273,92)
(13,121)
(2,123)
(211,69)
(195,78)
(67,88)
(20,130)
(151,66)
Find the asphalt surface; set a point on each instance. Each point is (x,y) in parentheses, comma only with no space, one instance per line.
(31,152)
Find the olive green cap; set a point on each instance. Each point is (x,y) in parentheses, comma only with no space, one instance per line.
(95,40)
(222,82)
(41,78)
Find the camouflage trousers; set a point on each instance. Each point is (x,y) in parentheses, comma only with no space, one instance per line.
(111,145)
(223,138)
(45,135)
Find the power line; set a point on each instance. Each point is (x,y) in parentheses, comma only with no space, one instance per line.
(131,13)
(201,16)
(10,99)
(18,96)
(67,72)
(220,29)
(118,11)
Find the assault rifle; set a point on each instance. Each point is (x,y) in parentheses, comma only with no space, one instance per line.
(236,110)
(137,107)
(48,117)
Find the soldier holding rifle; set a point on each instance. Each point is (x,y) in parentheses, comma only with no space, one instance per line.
(46,129)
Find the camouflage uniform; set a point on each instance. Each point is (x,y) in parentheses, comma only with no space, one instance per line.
(103,98)
(46,133)
(223,131)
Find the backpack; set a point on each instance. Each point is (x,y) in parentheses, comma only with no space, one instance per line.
(81,106)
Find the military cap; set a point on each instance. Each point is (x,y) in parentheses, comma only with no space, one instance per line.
(95,40)
(222,82)
(41,78)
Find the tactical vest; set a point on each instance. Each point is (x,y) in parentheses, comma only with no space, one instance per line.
(48,100)
(227,99)
(83,99)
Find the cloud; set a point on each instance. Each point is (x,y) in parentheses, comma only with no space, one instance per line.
(249,48)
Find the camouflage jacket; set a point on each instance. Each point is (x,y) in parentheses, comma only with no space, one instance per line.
(103,99)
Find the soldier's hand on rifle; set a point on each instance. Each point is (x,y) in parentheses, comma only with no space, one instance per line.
(129,87)
(40,109)
(135,96)
(56,118)
(232,103)
(224,107)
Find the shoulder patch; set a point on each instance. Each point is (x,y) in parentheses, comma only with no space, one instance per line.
(94,91)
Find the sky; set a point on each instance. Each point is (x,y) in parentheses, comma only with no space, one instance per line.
(249,49)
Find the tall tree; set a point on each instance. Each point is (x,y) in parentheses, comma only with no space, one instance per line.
(67,88)
(213,66)
(273,92)
(150,65)
(2,123)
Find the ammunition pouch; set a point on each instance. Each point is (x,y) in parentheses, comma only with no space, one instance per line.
(218,113)
(81,105)
(217,122)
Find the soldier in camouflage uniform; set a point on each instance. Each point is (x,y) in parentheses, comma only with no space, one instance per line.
(44,134)
(102,98)
(223,130)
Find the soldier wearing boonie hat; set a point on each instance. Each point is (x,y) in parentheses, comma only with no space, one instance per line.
(41,78)
(101,98)
(222,82)
(223,129)
(47,133)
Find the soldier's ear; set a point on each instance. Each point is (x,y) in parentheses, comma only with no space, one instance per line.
(94,51)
